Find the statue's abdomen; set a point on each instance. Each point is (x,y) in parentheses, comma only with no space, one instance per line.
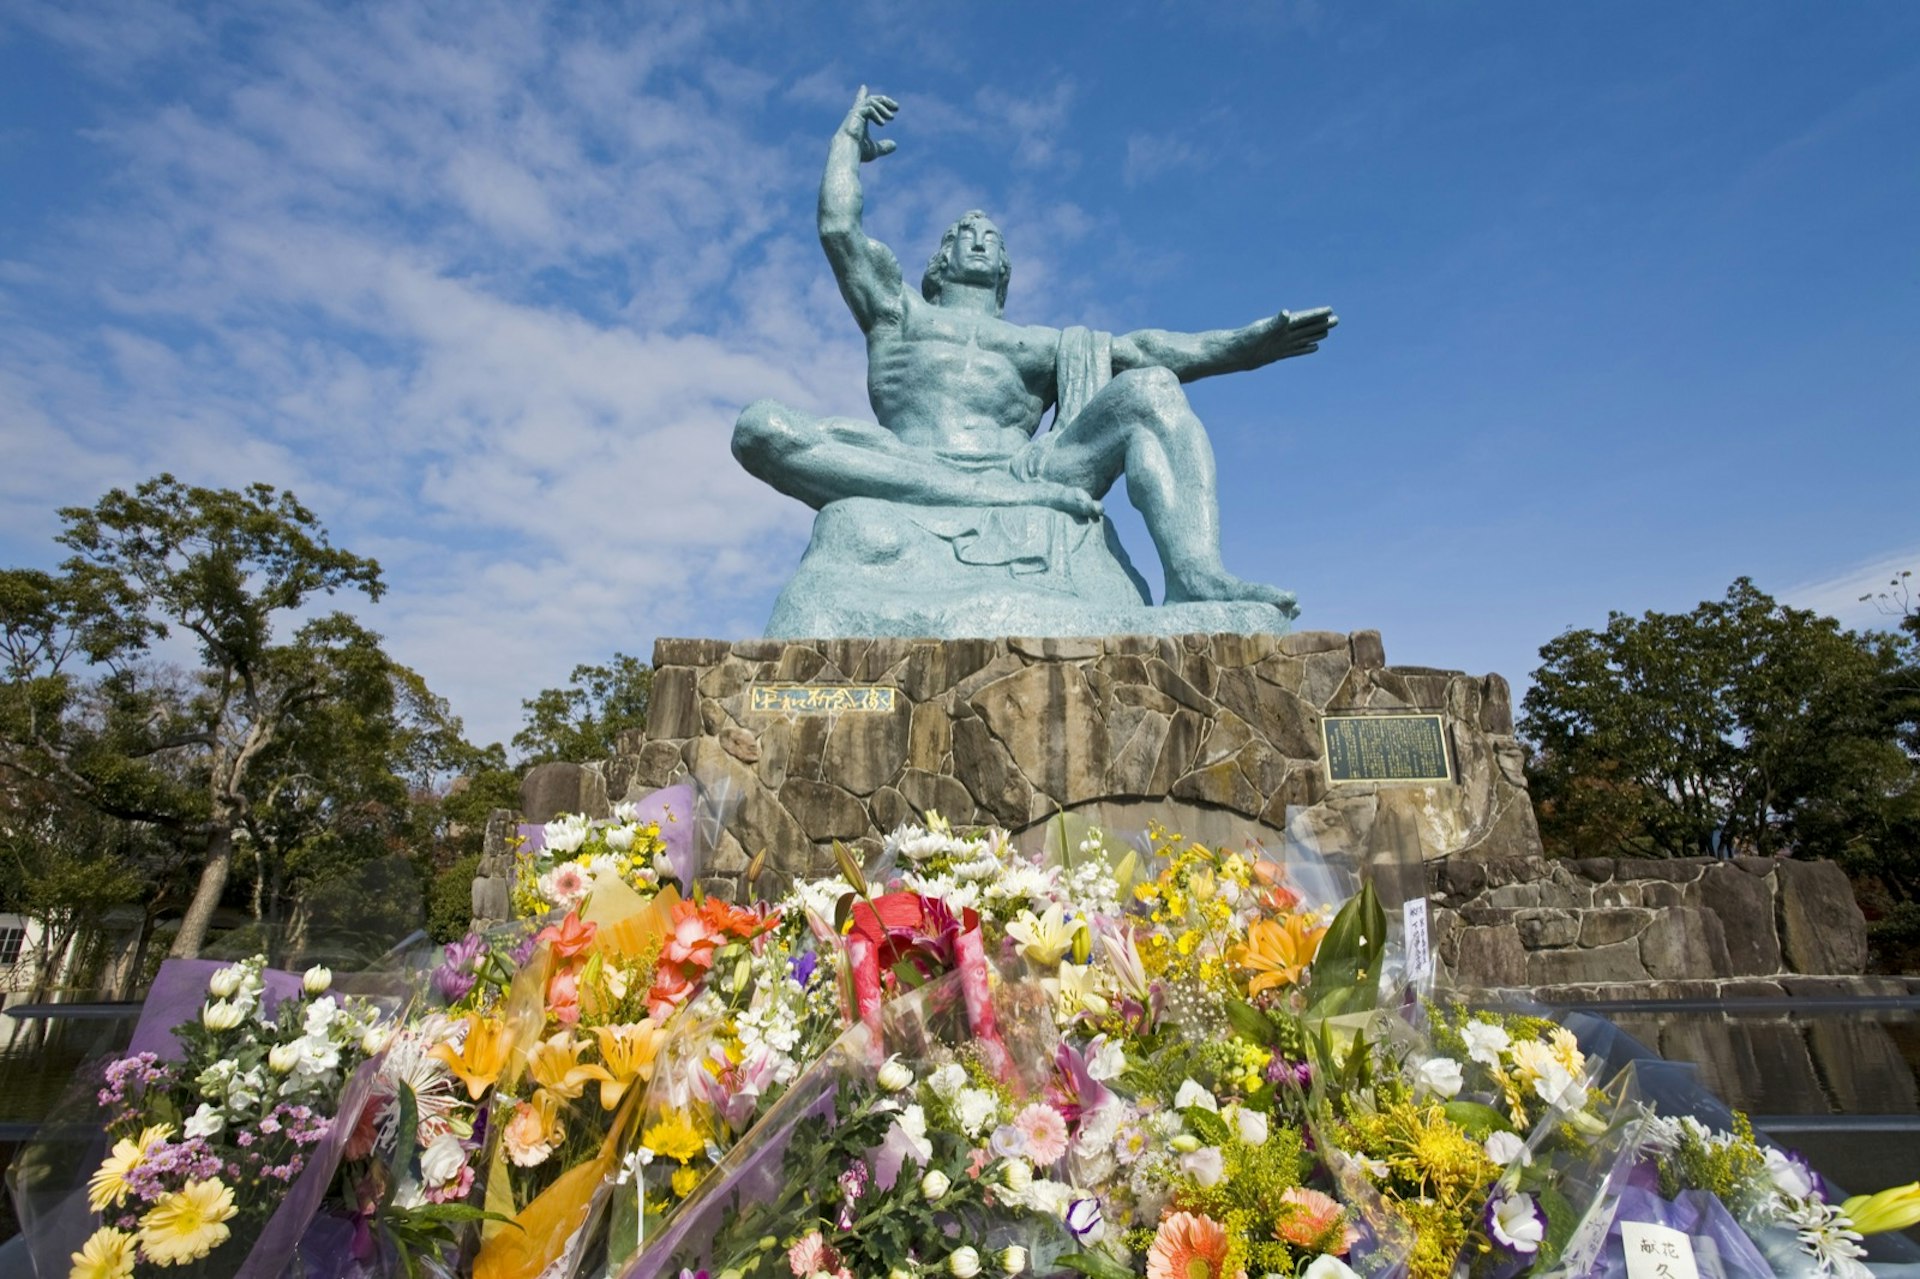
(950,397)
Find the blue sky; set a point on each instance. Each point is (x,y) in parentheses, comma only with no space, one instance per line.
(1627,291)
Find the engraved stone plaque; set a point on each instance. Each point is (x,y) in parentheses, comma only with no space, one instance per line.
(1386,748)
(821,699)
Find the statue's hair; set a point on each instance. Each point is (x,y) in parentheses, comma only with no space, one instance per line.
(935,277)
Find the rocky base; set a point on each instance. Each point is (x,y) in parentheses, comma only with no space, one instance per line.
(1217,736)
(1600,924)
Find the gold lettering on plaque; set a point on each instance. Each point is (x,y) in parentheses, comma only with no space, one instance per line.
(821,699)
(1386,748)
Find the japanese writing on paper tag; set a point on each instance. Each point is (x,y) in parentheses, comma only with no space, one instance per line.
(1657,1252)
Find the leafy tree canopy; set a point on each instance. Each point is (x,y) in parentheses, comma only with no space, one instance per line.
(84,708)
(1742,726)
(583,721)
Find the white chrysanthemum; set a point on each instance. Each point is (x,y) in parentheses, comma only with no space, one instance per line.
(1485,1042)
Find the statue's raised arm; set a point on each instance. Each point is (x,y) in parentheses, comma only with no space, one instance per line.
(867,271)
(1197,355)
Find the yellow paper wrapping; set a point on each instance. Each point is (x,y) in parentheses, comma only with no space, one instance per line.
(628,927)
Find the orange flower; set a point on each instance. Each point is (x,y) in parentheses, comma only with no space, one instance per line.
(555,1066)
(1273,893)
(563,996)
(534,1131)
(1190,1246)
(628,1052)
(1277,951)
(482,1055)
(691,941)
(570,937)
(725,918)
(1308,1217)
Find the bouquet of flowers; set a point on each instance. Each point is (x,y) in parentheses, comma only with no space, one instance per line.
(224,1143)
(645,844)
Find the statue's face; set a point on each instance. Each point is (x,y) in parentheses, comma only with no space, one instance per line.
(976,255)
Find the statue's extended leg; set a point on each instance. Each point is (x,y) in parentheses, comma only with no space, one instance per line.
(824,459)
(1140,425)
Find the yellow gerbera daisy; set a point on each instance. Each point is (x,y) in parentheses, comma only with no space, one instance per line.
(107,1254)
(108,1185)
(187,1224)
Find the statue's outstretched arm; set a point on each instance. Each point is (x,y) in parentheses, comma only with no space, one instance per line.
(1198,355)
(868,273)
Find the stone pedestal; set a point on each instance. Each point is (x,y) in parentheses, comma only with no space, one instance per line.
(1217,736)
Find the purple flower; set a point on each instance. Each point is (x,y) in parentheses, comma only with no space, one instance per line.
(524,951)
(1515,1222)
(459,971)
(1084,1218)
(1281,1071)
(853,1182)
(801,968)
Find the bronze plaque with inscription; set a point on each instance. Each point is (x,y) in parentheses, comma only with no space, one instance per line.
(1386,748)
(821,699)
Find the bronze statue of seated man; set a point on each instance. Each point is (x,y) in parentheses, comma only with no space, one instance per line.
(959,393)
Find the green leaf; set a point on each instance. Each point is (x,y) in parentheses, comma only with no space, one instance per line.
(1206,1125)
(404,1145)
(1095,1265)
(1479,1121)
(1252,1024)
(1346,969)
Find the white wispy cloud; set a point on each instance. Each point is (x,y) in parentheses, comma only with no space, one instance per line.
(440,279)
(1855,594)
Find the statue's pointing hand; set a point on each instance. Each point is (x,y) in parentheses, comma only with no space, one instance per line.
(868,111)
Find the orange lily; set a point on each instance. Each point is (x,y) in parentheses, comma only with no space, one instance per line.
(1277,951)
(482,1055)
(555,1066)
(570,937)
(628,1052)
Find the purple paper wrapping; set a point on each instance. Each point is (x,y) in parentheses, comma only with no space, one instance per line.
(179,990)
(1715,1234)
(282,1236)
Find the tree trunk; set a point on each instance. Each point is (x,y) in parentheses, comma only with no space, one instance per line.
(137,963)
(206,897)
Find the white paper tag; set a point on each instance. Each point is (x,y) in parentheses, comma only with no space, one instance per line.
(1657,1252)
(1413,918)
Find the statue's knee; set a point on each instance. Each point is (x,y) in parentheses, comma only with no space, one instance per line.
(762,432)
(1155,391)
(1156,401)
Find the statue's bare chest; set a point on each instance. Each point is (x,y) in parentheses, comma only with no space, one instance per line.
(957,341)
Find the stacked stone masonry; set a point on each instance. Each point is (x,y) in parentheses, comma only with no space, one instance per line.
(1600,928)
(1216,735)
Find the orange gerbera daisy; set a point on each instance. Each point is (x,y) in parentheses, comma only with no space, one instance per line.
(1190,1246)
(1277,951)
(1308,1217)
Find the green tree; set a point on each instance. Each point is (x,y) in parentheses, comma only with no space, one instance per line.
(1744,725)
(583,721)
(221,568)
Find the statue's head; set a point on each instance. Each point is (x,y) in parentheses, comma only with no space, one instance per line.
(971,252)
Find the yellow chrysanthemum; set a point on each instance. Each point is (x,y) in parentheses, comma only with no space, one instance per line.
(107,1254)
(187,1224)
(108,1185)
(685,1179)
(675,1137)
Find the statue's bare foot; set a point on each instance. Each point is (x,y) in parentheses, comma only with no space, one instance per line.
(1222,585)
